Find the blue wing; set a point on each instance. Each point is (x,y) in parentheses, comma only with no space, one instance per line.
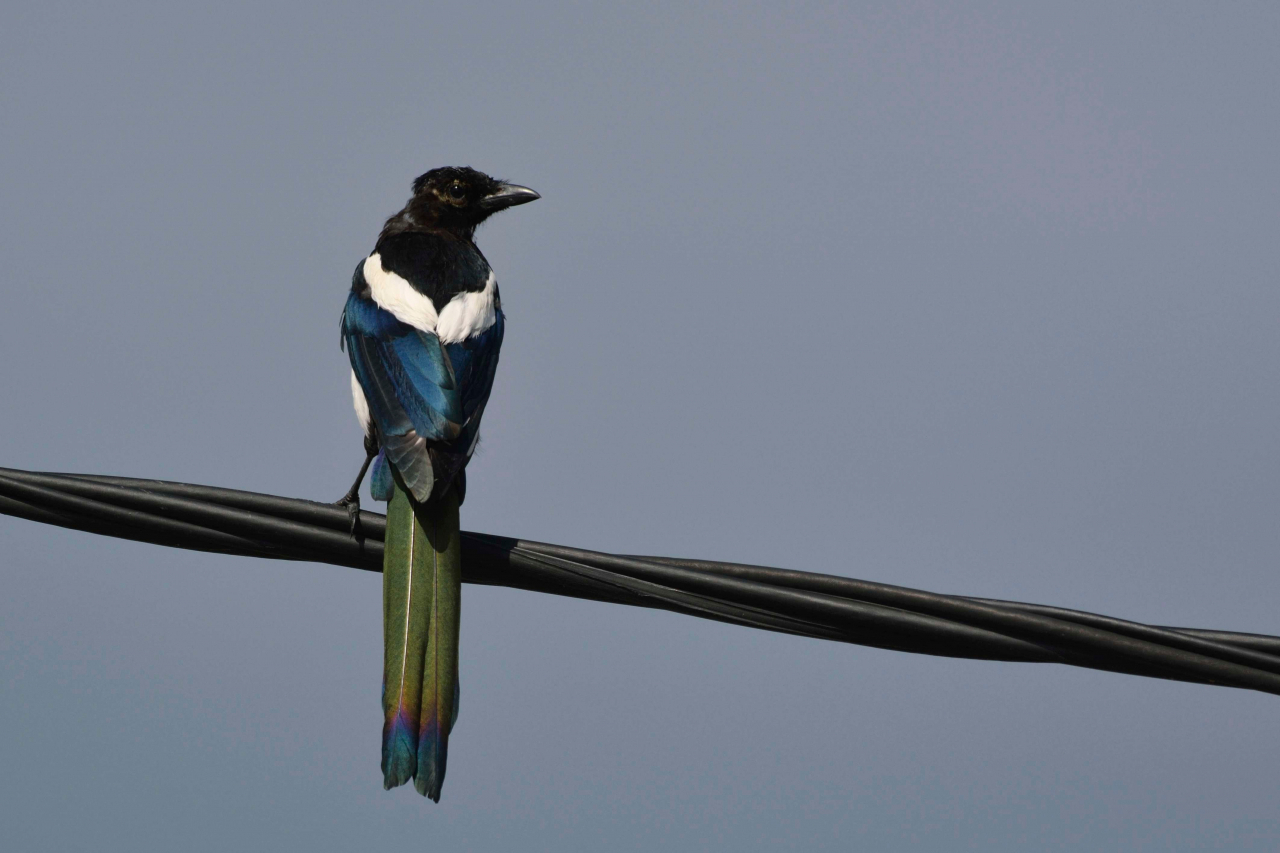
(425,398)
(474,362)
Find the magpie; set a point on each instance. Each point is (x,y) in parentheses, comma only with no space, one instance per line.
(422,328)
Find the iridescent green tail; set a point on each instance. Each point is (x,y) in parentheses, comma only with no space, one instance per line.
(421,597)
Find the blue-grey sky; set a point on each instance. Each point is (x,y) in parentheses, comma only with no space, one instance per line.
(978,299)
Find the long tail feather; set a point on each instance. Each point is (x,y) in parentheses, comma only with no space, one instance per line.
(406,607)
(440,673)
(422,584)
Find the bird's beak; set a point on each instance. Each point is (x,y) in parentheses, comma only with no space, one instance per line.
(508,195)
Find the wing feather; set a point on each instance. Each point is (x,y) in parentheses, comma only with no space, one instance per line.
(425,398)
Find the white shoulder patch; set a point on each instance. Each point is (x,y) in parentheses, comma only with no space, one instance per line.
(394,294)
(468,314)
(361,405)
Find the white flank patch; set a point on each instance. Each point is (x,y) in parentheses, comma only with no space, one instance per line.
(394,294)
(361,405)
(468,314)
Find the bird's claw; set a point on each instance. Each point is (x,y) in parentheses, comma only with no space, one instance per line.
(352,503)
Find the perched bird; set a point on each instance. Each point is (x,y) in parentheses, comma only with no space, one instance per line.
(422,327)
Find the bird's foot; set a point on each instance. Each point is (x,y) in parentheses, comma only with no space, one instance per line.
(351,500)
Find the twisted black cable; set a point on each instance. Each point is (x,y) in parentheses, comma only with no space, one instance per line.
(814,605)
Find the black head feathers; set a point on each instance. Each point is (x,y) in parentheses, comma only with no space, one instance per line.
(457,199)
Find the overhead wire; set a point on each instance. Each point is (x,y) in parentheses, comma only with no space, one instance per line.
(828,607)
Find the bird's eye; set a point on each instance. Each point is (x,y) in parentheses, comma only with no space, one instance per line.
(457,190)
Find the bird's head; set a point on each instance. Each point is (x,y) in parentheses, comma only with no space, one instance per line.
(460,198)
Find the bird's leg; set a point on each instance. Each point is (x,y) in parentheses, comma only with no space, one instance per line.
(351,500)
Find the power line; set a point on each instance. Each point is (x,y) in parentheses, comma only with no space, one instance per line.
(228,521)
